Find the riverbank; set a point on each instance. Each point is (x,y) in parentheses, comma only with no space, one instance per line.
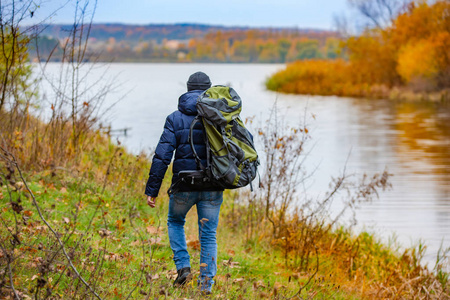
(320,78)
(87,217)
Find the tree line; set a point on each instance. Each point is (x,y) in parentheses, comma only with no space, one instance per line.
(237,45)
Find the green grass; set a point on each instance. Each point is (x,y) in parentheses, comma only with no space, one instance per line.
(118,243)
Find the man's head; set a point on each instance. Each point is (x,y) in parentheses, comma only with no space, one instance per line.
(198,81)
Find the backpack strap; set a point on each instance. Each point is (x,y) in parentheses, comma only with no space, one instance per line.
(191,142)
(226,141)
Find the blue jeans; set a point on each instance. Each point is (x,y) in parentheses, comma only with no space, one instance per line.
(208,208)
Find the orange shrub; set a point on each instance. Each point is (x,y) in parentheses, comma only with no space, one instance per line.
(318,77)
(373,58)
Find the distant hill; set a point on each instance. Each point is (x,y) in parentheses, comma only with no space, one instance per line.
(159,32)
(193,43)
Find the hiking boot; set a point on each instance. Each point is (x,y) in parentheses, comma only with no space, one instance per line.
(183,277)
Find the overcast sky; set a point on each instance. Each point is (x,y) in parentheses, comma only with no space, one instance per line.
(272,13)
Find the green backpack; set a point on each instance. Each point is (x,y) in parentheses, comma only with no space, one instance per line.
(232,160)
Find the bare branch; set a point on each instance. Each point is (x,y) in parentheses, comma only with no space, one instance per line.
(379,13)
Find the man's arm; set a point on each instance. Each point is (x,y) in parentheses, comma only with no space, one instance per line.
(161,160)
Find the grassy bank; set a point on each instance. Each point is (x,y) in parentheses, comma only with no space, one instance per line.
(89,221)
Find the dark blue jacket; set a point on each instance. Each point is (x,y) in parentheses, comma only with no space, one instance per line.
(175,137)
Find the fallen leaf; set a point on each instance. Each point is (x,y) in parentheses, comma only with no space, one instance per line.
(104,232)
(220,278)
(19,185)
(66,220)
(277,286)
(154,276)
(238,280)
(63,190)
(231,264)
(259,284)
(171,274)
(203,265)
(28,213)
(152,230)
(119,224)
(194,244)
(155,241)
(148,277)
(113,256)
(135,243)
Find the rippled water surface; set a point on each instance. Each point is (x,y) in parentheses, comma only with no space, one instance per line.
(411,140)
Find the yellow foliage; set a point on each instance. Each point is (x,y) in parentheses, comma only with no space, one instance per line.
(417,60)
(373,59)
(421,21)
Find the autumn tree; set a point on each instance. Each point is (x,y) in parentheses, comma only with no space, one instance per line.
(283,48)
(15,70)
(422,34)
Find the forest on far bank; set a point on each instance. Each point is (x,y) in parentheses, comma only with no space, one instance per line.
(194,43)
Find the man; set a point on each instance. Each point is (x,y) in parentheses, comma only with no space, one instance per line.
(208,201)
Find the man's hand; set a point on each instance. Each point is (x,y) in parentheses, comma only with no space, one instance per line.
(151,201)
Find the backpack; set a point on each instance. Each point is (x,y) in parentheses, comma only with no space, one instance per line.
(232,160)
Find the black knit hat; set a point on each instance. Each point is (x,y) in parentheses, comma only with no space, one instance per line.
(198,81)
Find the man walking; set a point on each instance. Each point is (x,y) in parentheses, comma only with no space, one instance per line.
(208,200)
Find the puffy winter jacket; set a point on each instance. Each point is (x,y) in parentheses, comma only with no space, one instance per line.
(175,137)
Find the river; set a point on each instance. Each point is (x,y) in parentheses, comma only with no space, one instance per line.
(411,139)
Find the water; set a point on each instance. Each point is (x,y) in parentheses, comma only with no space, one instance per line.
(411,140)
